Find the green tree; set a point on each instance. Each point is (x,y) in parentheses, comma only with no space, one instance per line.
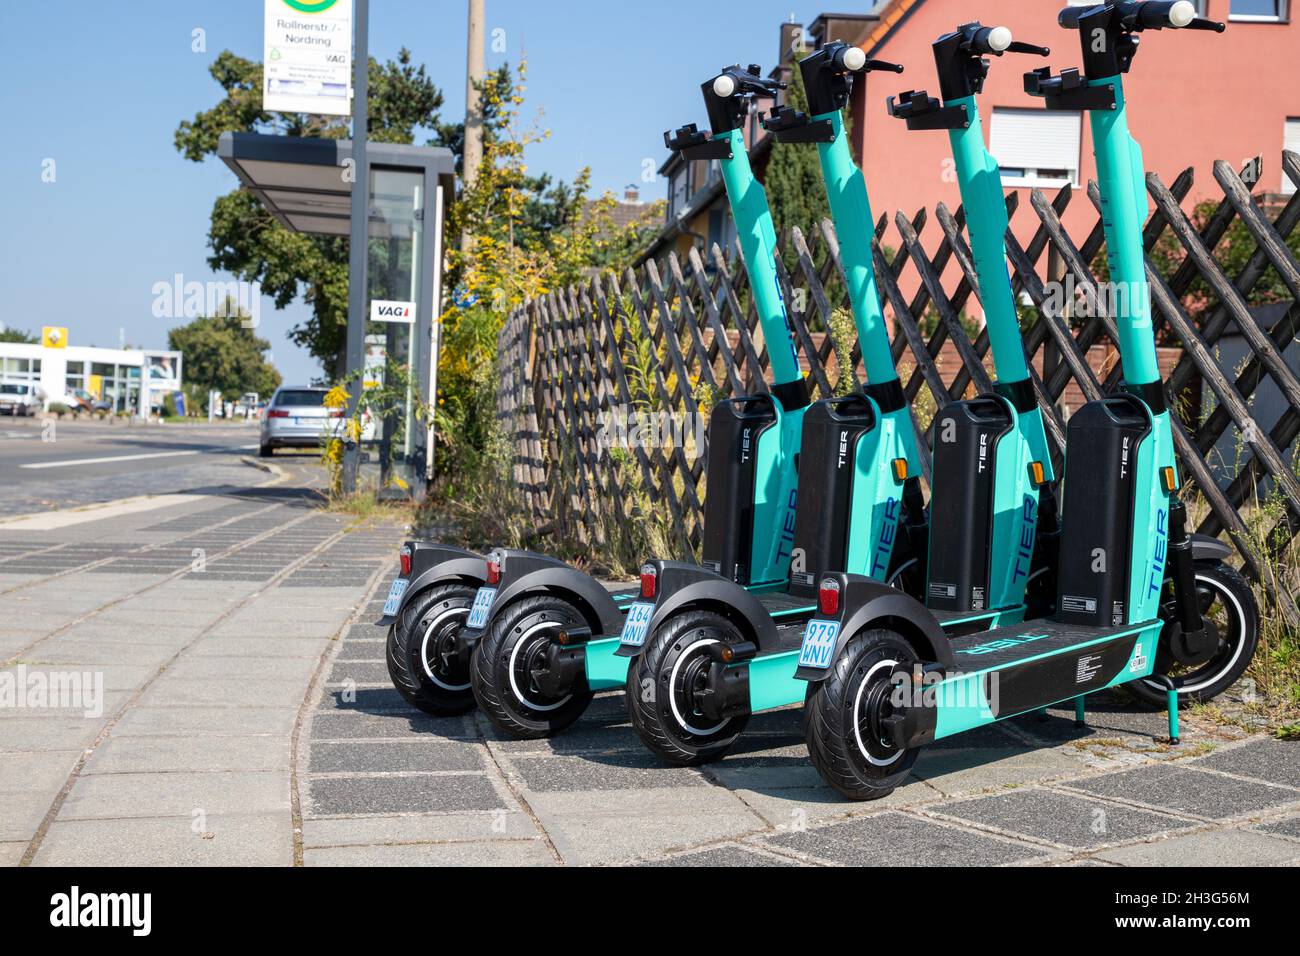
(219,353)
(19,336)
(794,179)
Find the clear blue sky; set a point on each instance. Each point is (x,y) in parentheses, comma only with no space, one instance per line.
(100,87)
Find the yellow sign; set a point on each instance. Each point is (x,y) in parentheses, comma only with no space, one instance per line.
(95,386)
(54,337)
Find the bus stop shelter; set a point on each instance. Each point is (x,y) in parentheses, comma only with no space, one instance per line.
(306,184)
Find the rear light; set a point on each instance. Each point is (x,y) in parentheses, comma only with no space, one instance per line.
(828,596)
(649,580)
(277,413)
(405,557)
(493,571)
(336,413)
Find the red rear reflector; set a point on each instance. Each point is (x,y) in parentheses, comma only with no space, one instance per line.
(493,572)
(405,557)
(648,581)
(828,596)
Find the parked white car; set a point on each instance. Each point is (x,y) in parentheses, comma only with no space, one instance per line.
(297,418)
(21,398)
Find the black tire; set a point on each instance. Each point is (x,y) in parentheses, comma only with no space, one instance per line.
(265,451)
(1230,604)
(859,768)
(500,669)
(426,679)
(658,690)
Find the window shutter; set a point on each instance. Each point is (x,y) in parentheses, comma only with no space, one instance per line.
(1036,139)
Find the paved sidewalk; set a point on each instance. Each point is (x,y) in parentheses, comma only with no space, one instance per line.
(203,624)
(246,717)
(382,784)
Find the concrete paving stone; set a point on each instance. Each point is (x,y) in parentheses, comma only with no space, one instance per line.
(728,856)
(158,618)
(1276,761)
(1061,818)
(375,673)
(503,853)
(585,737)
(77,649)
(11,853)
(295,670)
(222,839)
(339,726)
(36,772)
(594,827)
(259,648)
(206,721)
(21,813)
(794,808)
(953,770)
(1210,848)
(898,839)
(103,796)
(39,734)
(395,756)
(367,630)
(1111,713)
(366,700)
(483,825)
(91,704)
(170,691)
(164,635)
(1289,827)
(613,771)
(1185,790)
(360,652)
(171,754)
(402,794)
(767,772)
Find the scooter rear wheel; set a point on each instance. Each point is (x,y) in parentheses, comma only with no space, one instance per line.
(503,662)
(849,757)
(419,662)
(1228,603)
(661,686)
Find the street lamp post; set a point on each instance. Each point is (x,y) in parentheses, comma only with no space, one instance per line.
(359,235)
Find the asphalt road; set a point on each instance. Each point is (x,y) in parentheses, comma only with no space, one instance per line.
(67,463)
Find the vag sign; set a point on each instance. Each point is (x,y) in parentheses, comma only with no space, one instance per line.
(384,311)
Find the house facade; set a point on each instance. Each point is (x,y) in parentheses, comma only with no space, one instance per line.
(1194,97)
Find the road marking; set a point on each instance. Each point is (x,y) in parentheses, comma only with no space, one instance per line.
(97,461)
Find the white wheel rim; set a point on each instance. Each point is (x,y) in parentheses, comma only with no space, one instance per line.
(424,648)
(672,698)
(514,656)
(857,706)
(1228,597)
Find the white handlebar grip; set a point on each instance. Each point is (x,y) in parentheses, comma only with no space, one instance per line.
(999,39)
(724,86)
(1182,13)
(855,58)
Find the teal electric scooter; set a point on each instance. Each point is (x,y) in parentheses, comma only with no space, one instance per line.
(712,653)
(531,640)
(1136,594)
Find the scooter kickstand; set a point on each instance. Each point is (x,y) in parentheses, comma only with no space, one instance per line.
(1080,717)
(1171,706)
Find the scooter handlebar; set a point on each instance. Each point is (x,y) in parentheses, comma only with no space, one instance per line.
(998,40)
(1137,15)
(735,81)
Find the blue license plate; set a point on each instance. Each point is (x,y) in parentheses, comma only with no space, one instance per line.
(395,592)
(818,643)
(478,614)
(638,621)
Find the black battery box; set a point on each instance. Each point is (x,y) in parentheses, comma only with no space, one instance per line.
(832,429)
(734,429)
(966,439)
(1101,458)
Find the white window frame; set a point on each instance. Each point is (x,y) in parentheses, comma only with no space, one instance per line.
(1279,17)
(1290,128)
(1034,176)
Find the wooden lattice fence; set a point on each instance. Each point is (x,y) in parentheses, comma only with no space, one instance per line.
(676,336)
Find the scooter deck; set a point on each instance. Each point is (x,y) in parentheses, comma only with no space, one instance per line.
(788,609)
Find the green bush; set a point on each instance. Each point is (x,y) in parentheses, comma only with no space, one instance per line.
(58,408)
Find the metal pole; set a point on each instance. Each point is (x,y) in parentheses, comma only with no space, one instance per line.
(474,66)
(359,236)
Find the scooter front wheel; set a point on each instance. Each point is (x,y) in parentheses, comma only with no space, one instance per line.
(843,719)
(664,685)
(506,662)
(1228,605)
(420,646)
